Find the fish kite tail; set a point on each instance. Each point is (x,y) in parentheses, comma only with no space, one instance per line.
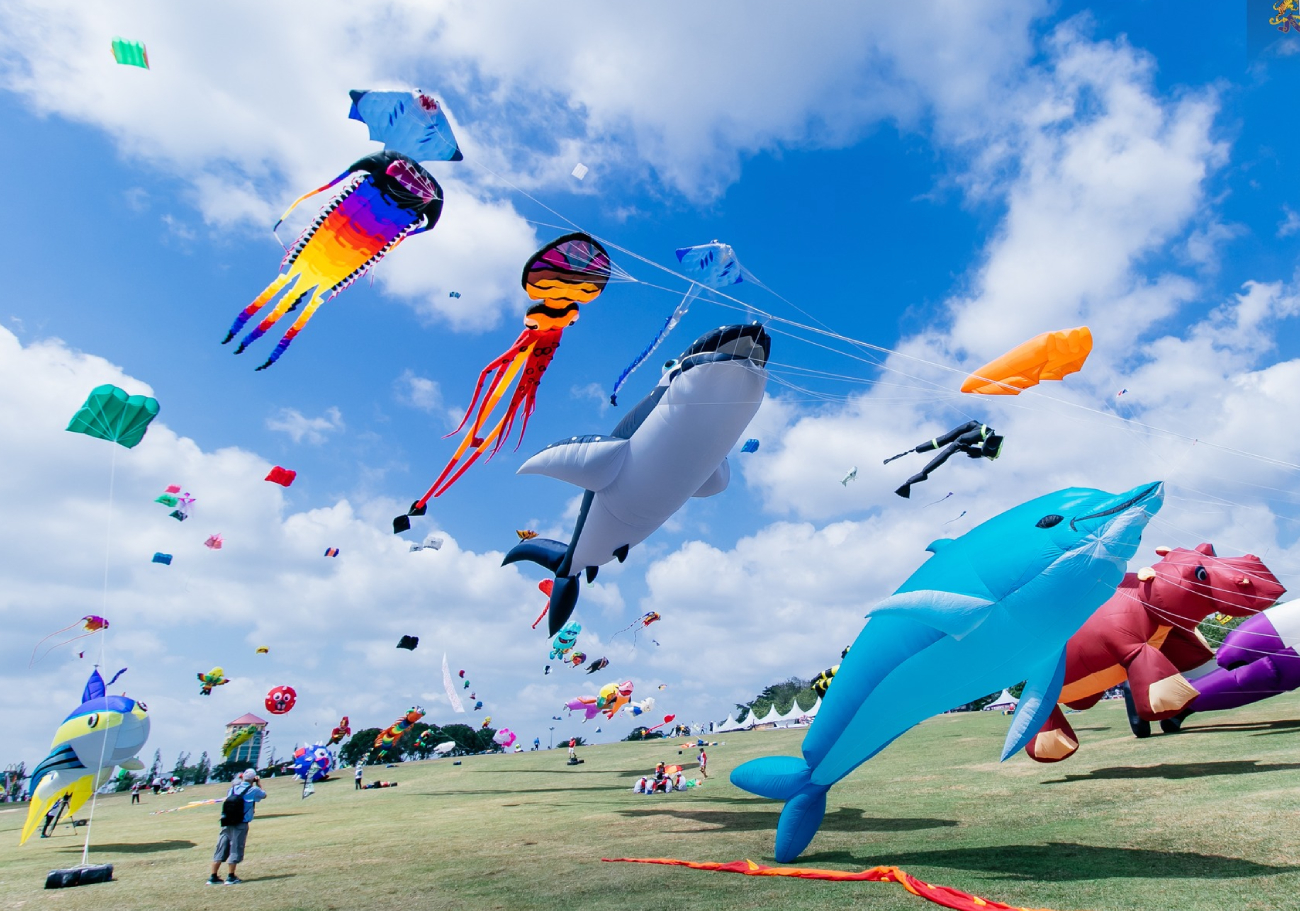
(564,591)
(786,778)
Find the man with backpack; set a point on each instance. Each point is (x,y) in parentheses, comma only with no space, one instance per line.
(236,813)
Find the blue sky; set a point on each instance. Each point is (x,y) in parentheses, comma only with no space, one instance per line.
(944,182)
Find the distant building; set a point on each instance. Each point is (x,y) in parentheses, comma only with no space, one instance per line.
(249,752)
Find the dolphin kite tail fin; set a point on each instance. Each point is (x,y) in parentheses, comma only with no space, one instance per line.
(786,778)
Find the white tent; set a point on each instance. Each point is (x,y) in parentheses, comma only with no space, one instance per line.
(1002,703)
(772,716)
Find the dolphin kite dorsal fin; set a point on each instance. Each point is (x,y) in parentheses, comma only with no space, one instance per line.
(1042,689)
(717,482)
(950,613)
(938,544)
(590,462)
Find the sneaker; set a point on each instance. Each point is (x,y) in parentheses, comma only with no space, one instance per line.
(233,881)
(215,880)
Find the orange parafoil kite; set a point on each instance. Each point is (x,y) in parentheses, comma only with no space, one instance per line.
(1050,356)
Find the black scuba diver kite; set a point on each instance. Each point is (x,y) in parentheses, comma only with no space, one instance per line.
(979,441)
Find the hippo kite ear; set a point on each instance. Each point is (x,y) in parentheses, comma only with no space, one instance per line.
(1163,550)
(1207,549)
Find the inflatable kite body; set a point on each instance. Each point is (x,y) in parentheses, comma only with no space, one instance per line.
(504,737)
(565,639)
(343,730)
(612,697)
(978,441)
(1258,659)
(103,732)
(387,198)
(237,738)
(312,763)
(389,736)
(411,123)
(672,446)
(1050,356)
(214,677)
(989,609)
(1146,634)
(280,699)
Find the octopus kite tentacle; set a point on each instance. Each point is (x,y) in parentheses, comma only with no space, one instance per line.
(562,275)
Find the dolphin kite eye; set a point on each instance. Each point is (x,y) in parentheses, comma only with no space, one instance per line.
(141,706)
(669,365)
(1049,521)
(1202,575)
(92,720)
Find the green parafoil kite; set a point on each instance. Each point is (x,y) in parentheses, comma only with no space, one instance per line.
(110,414)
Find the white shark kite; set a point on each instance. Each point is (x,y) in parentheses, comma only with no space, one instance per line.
(994,607)
(672,446)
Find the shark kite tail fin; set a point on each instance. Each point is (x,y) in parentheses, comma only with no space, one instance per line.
(542,551)
(564,592)
(786,778)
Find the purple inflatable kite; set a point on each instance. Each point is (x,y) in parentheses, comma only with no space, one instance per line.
(1257,660)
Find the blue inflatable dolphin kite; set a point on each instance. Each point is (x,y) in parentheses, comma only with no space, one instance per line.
(989,609)
(672,446)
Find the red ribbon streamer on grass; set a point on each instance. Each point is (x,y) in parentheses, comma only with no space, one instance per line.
(945,896)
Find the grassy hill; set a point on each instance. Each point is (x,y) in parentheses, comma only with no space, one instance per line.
(1200,821)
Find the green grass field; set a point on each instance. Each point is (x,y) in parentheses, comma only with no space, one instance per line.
(1206,819)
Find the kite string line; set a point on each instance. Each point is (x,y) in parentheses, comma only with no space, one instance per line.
(749,308)
(103,744)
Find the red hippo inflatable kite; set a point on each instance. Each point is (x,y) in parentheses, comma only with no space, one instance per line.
(1146,634)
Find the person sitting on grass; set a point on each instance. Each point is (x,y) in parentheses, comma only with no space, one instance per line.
(236,813)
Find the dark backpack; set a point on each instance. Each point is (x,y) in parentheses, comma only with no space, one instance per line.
(232,808)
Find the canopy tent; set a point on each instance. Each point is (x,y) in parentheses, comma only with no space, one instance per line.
(1002,703)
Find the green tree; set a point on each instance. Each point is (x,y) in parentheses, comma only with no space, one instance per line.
(226,771)
(156,769)
(181,770)
(358,747)
(783,695)
(202,770)
(643,733)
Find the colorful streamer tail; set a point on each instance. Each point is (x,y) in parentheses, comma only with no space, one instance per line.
(669,325)
(944,896)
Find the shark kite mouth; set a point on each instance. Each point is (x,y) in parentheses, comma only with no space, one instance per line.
(1137,498)
(730,343)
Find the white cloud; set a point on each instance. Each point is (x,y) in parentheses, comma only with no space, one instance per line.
(331,624)
(1290,224)
(300,427)
(418,391)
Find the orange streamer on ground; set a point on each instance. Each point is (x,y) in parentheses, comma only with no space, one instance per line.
(944,896)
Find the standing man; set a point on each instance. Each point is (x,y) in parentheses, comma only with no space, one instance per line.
(573,749)
(236,813)
(704,762)
(135,792)
(55,813)
(356,779)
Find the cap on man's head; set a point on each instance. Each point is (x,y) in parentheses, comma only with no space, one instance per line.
(250,774)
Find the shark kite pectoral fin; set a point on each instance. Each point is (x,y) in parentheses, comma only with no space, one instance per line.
(938,544)
(1042,689)
(717,482)
(590,462)
(790,779)
(950,613)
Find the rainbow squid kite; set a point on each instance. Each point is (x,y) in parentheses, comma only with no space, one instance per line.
(569,271)
(387,198)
